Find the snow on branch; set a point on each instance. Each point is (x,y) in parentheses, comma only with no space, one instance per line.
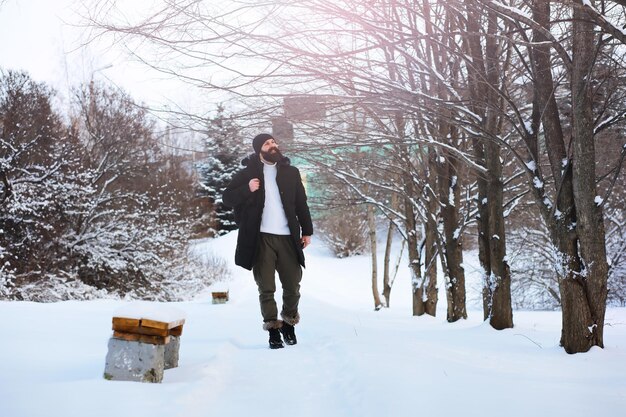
(515,14)
(603,21)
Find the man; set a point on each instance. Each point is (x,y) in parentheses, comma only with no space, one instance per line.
(274,227)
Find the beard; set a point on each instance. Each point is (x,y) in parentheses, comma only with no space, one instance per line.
(273,155)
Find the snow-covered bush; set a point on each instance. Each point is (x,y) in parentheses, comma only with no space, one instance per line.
(616,252)
(344,230)
(189,275)
(533,278)
(90,210)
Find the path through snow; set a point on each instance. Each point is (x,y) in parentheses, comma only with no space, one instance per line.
(350,360)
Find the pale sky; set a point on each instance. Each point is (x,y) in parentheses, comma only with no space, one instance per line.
(38,36)
(32,38)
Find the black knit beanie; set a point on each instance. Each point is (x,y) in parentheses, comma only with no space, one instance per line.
(259,140)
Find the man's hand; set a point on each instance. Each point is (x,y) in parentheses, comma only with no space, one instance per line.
(254,184)
(305,241)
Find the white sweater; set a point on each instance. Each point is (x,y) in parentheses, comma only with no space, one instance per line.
(273,220)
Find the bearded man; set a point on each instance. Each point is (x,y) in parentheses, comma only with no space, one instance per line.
(275,226)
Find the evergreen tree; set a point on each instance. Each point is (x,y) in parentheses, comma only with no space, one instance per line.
(224,147)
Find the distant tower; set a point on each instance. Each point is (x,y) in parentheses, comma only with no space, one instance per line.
(305,107)
(282,129)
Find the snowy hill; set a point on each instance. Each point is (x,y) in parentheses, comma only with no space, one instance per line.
(350,360)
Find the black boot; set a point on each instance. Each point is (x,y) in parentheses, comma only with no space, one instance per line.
(289,333)
(275,340)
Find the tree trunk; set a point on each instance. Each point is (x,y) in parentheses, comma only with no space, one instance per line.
(449,198)
(478,89)
(501,314)
(582,281)
(484,74)
(432,291)
(414,257)
(430,252)
(501,311)
(371,222)
(387,260)
(589,217)
(387,282)
(482,218)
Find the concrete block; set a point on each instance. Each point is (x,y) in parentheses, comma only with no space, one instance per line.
(134,361)
(171,352)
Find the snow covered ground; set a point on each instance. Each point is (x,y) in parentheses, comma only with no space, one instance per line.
(350,360)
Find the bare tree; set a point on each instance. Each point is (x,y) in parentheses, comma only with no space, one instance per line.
(570,210)
(486,67)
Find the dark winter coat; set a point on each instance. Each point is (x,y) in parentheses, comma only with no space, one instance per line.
(249,206)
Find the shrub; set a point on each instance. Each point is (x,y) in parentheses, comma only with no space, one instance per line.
(344,230)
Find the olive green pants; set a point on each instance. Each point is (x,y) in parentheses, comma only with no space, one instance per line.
(277,254)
